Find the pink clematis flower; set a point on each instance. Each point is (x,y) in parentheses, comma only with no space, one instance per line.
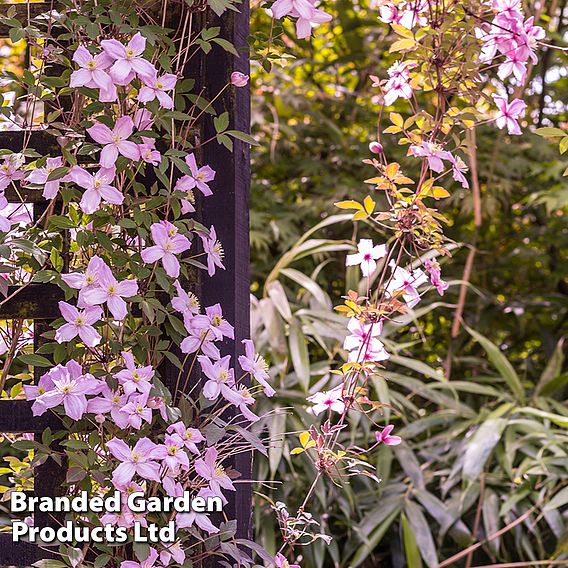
(304,10)
(112,292)
(143,119)
(187,520)
(398,84)
(136,411)
(40,175)
(69,388)
(115,141)
(5,222)
(172,453)
(92,73)
(214,250)
(98,188)
(211,471)
(186,303)
(168,244)
(127,60)
(156,87)
(198,178)
(366,256)
(189,436)
(79,323)
(148,151)
(10,170)
(253,363)
(148,563)
(242,399)
(133,378)
(459,167)
(137,461)
(200,338)
(87,279)
(385,437)
(281,562)
(509,113)
(221,377)
(217,323)
(327,400)
(173,552)
(110,401)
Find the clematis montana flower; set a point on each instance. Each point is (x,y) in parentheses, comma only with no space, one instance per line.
(92,73)
(110,401)
(304,10)
(509,113)
(242,399)
(198,178)
(79,323)
(433,154)
(148,151)
(115,141)
(433,269)
(189,436)
(127,60)
(211,471)
(10,170)
(214,250)
(133,378)
(98,188)
(112,292)
(139,460)
(254,364)
(5,222)
(385,437)
(173,552)
(69,388)
(168,244)
(148,563)
(87,279)
(281,562)
(156,87)
(172,453)
(40,175)
(136,411)
(221,377)
(366,256)
(186,303)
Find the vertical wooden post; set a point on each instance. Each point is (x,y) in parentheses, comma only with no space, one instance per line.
(228,210)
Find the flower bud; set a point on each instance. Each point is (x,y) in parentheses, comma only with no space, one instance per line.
(239,79)
(376,147)
(100,418)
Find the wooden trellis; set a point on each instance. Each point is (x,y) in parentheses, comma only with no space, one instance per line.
(227,209)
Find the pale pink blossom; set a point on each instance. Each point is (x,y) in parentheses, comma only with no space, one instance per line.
(253,363)
(127,59)
(405,283)
(221,377)
(168,243)
(139,460)
(92,73)
(210,470)
(214,251)
(41,175)
(133,378)
(198,178)
(115,141)
(136,411)
(97,188)
(79,322)
(157,87)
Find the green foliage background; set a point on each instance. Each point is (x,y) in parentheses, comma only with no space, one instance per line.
(483,415)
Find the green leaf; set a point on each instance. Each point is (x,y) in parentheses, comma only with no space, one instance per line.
(480,445)
(422,533)
(411,551)
(501,363)
(299,355)
(35,360)
(553,368)
(242,136)
(559,500)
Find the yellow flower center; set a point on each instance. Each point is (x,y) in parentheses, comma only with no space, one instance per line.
(92,64)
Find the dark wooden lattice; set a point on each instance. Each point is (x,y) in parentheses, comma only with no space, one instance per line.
(227,209)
